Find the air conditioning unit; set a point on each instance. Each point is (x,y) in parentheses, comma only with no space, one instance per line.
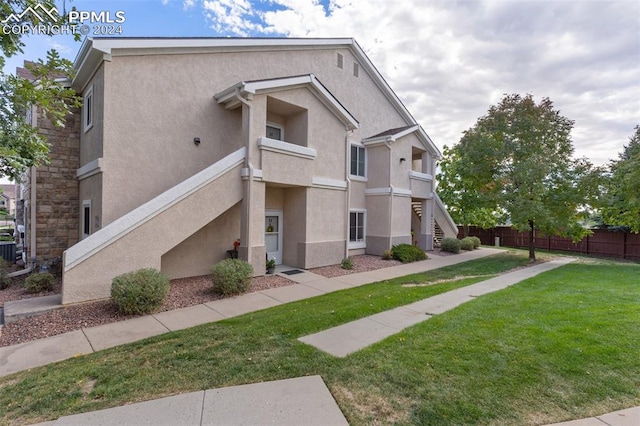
(8,251)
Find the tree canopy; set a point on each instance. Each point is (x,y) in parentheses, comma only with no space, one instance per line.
(621,198)
(516,163)
(21,146)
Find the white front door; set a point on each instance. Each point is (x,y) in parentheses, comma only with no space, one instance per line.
(273,235)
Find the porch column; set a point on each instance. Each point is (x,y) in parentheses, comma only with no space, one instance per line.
(425,238)
(252,247)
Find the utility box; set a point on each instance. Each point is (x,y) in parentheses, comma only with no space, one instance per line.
(8,251)
(497,242)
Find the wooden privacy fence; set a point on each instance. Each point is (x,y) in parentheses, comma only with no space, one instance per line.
(623,245)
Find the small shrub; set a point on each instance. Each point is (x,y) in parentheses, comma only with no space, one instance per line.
(476,242)
(407,253)
(451,245)
(5,281)
(388,255)
(40,281)
(347,263)
(139,292)
(466,243)
(231,276)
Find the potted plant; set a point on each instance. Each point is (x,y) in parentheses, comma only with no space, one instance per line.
(271,265)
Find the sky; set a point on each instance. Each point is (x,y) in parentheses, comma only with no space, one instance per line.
(447,60)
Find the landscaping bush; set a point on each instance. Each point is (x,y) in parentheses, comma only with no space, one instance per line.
(347,263)
(231,276)
(388,255)
(466,243)
(451,245)
(476,242)
(139,292)
(407,253)
(40,281)
(5,281)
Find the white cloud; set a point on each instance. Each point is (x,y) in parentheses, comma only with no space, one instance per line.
(231,16)
(449,61)
(188,4)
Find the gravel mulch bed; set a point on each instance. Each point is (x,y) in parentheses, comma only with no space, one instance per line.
(367,262)
(16,291)
(361,263)
(182,293)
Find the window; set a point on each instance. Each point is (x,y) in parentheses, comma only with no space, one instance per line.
(357,161)
(87,109)
(356,69)
(340,60)
(357,229)
(275,131)
(86,218)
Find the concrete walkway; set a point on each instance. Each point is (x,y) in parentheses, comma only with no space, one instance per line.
(304,400)
(347,338)
(92,339)
(301,401)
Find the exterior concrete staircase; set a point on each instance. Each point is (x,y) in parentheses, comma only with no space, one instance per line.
(442,224)
(436,230)
(140,238)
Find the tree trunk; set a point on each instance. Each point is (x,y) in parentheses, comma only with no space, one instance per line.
(465,230)
(532,248)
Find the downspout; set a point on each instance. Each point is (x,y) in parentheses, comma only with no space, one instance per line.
(32,218)
(347,172)
(249,165)
(391,194)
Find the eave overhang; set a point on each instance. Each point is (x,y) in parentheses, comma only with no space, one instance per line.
(230,97)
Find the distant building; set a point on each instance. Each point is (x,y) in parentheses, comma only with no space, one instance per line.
(8,198)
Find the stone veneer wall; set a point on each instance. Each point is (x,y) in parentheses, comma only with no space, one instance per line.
(57,189)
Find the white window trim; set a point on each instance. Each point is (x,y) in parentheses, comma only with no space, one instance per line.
(277,126)
(358,177)
(88,98)
(85,204)
(358,244)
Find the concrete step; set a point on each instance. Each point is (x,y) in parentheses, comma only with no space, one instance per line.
(18,309)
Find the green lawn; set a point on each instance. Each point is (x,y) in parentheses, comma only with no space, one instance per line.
(562,345)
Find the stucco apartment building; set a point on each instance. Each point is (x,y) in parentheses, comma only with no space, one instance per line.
(296,147)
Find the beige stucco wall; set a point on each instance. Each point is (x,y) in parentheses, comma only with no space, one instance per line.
(324,132)
(145,244)
(199,252)
(91,189)
(378,173)
(156,104)
(295,225)
(401,148)
(274,198)
(91,141)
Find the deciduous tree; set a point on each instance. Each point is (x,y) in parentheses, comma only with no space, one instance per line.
(621,200)
(21,146)
(517,160)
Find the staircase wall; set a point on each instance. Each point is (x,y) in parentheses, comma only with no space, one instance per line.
(140,238)
(443,218)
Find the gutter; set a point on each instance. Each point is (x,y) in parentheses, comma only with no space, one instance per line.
(391,195)
(249,165)
(348,194)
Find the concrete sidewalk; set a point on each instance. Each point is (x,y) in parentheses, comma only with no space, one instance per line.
(295,401)
(300,401)
(347,338)
(92,339)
